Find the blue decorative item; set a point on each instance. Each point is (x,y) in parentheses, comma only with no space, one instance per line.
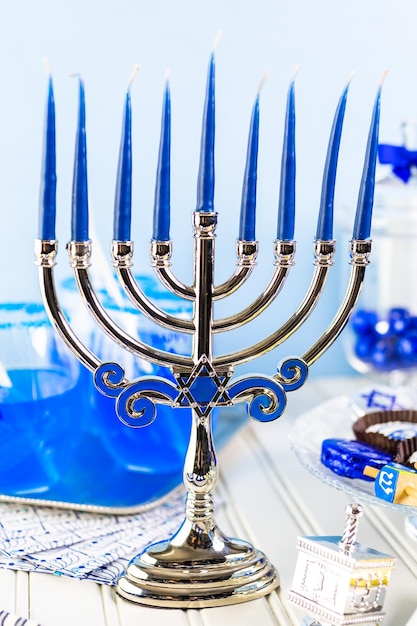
(397,484)
(385,343)
(93,462)
(384,337)
(39,390)
(401,159)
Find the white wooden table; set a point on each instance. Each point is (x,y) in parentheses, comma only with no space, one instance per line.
(270,499)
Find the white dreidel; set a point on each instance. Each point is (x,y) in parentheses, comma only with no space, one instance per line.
(338,580)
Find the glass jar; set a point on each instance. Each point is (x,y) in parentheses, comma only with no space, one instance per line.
(383,337)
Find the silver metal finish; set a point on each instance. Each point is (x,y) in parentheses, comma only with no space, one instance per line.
(284,260)
(360,252)
(246,252)
(45,254)
(161,252)
(199,566)
(340,581)
(122,252)
(79,253)
(324,252)
(353,512)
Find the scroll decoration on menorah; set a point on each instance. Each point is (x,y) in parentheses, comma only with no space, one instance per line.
(200,566)
(202,389)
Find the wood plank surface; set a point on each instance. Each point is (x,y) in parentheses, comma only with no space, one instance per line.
(265,496)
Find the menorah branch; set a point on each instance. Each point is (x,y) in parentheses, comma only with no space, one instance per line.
(246,252)
(45,254)
(79,254)
(284,260)
(323,262)
(360,251)
(122,253)
(161,252)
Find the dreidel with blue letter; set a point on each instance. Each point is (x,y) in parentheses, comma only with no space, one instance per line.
(397,484)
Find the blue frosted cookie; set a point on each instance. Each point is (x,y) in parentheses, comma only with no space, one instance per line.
(353,459)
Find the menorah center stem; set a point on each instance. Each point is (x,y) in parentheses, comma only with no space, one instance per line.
(200,508)
(200,466)
(204,236)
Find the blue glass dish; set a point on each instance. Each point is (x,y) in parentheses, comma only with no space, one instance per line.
(61,442)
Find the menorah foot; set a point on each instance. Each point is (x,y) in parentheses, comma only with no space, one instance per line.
(215,571)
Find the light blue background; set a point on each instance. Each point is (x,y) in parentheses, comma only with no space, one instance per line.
(104,40)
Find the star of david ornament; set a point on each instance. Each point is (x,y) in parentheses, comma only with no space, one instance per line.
(203,388)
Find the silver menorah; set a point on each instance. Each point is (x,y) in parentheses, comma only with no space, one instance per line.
(200,566)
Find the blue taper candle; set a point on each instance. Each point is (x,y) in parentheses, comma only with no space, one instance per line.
(123,196)
(363,217)
(248,205)
(162,207)
(79,221)
(325,221)
(205,184)
(47,200)
(286,204)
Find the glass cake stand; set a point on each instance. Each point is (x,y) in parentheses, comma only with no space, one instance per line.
(334,419)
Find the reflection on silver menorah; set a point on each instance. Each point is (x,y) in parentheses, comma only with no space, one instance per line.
(200,566)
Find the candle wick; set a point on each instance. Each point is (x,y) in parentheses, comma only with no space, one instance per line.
(132,75)
(47,65)
(384,75)
(74,75)
(296,70)
(351,75)
(263,81)
(216,40)
(167,74)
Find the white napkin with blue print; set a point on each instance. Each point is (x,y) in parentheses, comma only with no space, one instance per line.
(9,619)
(80,544)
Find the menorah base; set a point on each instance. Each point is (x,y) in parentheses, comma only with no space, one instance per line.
(205,570)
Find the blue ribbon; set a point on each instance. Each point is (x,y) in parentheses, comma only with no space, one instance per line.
(400,158)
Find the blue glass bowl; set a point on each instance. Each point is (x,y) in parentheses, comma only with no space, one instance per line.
(61,441)
(382,344)
(39,388)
